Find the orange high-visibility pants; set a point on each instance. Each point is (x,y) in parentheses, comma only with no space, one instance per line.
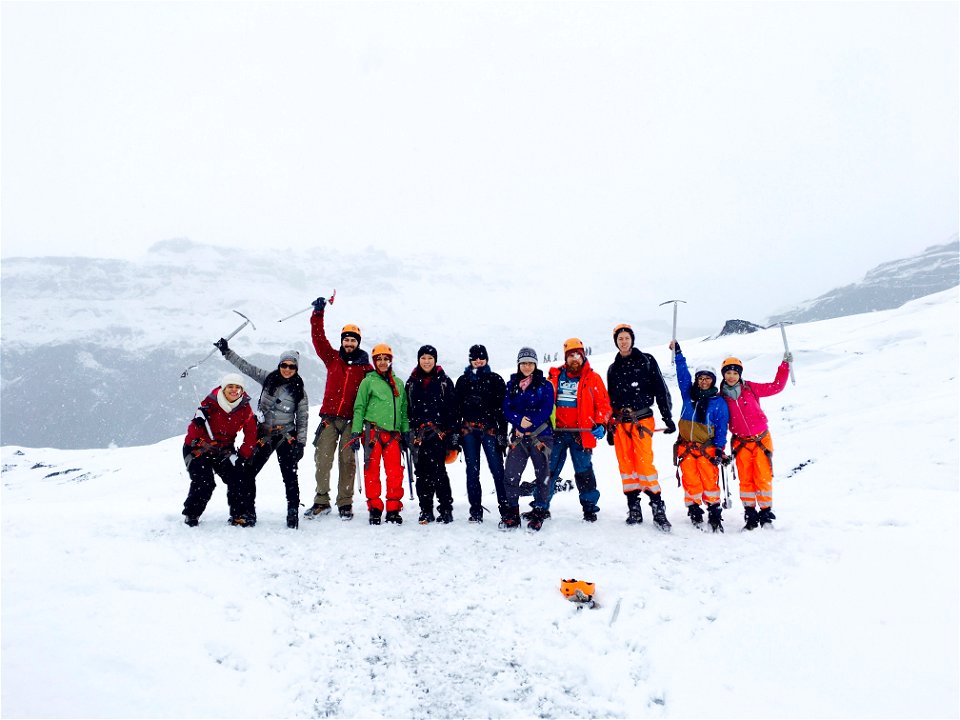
(755,471)
(698,475)
(386,446)
(635,456)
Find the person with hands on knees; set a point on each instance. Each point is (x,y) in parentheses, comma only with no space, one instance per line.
(635,383)
(208,448)
(346,368)
(284,409)
(702,437)
(381,427)
(750,441)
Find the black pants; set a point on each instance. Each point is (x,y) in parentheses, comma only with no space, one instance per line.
(288,471)
(202,485)
(432,479)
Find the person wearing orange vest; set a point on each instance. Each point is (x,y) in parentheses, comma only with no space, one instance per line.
(346,368)
(582,412)
(750,441)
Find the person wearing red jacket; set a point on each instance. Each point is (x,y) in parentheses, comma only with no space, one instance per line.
(209,448)
(750,441)
(346,369)
(582,413)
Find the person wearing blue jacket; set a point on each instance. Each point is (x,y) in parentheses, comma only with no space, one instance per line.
(702,437)
(527,406)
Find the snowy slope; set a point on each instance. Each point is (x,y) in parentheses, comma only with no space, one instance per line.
(112,607)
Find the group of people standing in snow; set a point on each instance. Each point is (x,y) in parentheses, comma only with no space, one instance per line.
(369,414)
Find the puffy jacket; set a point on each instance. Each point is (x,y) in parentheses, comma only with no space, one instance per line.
(432,398)
(279,406)
(535,403)
(635,382)
(717,416)
(480,393)
(344,372)
(593,403)
(224,425)
(746,417)
(377,403)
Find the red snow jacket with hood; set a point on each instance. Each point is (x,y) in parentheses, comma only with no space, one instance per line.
(225,425)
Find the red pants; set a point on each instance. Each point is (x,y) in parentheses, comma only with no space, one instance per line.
(698,475)
(386,445)
(635,456)
(755,470)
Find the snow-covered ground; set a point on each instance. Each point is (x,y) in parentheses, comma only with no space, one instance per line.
(112,607)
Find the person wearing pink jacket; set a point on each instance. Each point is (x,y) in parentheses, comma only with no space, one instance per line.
(750,440)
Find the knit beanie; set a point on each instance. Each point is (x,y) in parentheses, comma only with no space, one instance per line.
(427,350)
(232,379)
(290,355)
(478,352)
(527,354)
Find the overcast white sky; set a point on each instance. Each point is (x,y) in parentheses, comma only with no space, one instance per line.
(812,139)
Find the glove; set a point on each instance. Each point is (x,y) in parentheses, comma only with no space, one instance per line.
(454,441)
(598,432)
(788,357)
(199,422)
(297,451)
(356,441)
(405,440)
(222,346)
(610,440)
(668,426)
(676,348)
(717,459)
(319,304)
(727,459)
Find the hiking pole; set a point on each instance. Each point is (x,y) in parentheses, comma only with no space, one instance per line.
(329,302)
(726,488)
(409,471)
(246,321)
(786,348)
(674,336)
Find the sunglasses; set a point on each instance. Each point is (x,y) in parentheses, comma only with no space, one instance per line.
(288,366)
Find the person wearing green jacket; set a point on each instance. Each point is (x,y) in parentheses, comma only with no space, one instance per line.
(381,425)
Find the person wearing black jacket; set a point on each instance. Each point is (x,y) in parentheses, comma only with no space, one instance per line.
(432,409)
(480,393)
(635,383)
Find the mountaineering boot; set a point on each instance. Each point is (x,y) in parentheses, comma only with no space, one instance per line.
(191,520)
(375,516)
(237,520)
(293,518)
(426,517)
(317,509)
(476,516)
(393,516)
(510,519)
(696,515)
(537,517)
(659,510)
(766,518)
(751,517)
(590,517)
(445,516)
(530,514)
(715,517)
(634,513)
(346,512)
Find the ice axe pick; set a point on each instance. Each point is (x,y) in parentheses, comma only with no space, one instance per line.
(786,348)
(674,336)
(246,321)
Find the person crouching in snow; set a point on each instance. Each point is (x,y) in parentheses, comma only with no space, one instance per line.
(380,424)
(750,441)
(224,413)
(698,452)
(284,410)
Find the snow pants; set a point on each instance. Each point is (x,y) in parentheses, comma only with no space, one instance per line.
(754,458)
(582,472)
(471,442)
(331,439)
(700,477)
(288,470)
(202,485)
(517,456)
(430,468)
(381,444)
(634,445)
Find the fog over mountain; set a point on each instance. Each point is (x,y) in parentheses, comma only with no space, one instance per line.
(93,348)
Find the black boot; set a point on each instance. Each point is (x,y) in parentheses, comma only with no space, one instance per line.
(530,514)
(696,515)
(191,520)
(393,516)
(751,517)
(659,510)
(426,517)
(293,518)
(346,512)
(715,517)
(375,516)
(766,518)
(634,513)
(537,517)
(510,519)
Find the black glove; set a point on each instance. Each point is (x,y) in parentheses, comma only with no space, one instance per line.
(676,348)
(222,346)
(668,426)
(610,440)
(717,459)
(199,422)
(356,440)
(297,451)
(319,304)
(405,440)
(454,441)
(727,459)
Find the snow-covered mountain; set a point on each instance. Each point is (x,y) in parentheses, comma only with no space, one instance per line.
(112,607)
(886,286)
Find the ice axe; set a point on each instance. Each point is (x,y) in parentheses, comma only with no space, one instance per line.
(246,321)
(329,302)
(673,360)
(786,348)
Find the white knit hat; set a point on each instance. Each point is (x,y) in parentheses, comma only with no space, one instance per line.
(232,379)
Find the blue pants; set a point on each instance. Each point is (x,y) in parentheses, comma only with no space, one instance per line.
(582,468)
(471,443)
